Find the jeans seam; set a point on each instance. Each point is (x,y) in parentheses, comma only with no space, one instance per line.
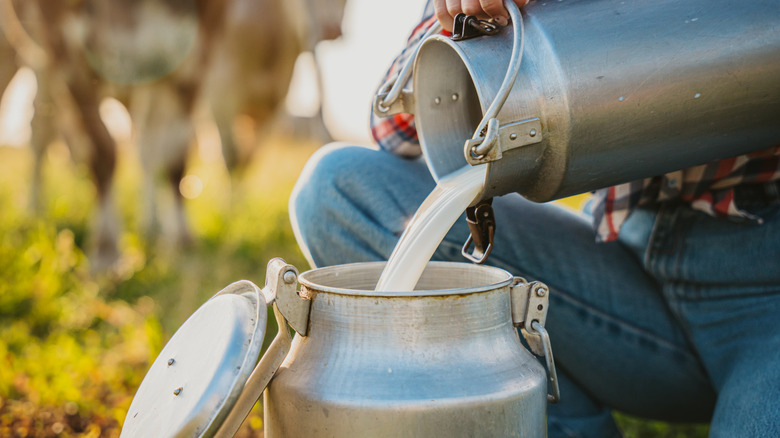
(637,330)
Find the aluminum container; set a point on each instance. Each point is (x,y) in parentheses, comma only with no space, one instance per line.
(608,91)
(442,360)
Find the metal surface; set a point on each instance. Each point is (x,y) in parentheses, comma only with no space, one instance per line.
(622,90)
(468,26)
(281,281)
(262,374)
(279,292)
(482,230)
(552,375)
(471,153)
(210,361)
(507,137)
(443,360)
(529,304)
(198,376)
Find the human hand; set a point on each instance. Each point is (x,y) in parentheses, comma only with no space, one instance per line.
(446,10)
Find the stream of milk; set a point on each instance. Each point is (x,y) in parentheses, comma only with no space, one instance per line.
(453,194)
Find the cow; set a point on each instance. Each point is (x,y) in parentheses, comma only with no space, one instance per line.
(154,56)
(262,62)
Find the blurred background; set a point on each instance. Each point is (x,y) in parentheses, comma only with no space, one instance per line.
(147,152)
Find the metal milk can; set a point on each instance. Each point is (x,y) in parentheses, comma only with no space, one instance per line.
(443,360)
(580,95)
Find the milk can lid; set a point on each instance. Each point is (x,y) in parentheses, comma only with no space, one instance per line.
(197,378)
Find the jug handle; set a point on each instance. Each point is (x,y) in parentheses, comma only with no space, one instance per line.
(482,147)
(279,292)
(391,98)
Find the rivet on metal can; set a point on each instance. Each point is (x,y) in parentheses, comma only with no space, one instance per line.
(455,97)
(290,277)
(177,391)
(171,361)
(437,100)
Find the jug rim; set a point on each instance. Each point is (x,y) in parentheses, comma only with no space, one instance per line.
(313,278)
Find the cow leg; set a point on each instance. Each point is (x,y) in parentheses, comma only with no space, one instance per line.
(224,112)
(8,66)
(102,163)
(164,131)
(175,173)
(83,85)
(43,132)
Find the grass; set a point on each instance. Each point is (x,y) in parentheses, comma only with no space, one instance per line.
(75,346)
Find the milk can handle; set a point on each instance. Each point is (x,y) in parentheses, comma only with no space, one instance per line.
(485,136)
(391,90)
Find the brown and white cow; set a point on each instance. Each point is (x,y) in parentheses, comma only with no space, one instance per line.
(155,56)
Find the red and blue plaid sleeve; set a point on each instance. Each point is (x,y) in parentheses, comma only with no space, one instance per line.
(712,188)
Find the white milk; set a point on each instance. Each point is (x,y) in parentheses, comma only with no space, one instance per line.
(430,224)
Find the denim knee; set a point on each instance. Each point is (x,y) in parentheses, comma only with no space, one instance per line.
(315,190)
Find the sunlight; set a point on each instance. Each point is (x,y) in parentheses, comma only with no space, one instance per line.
(116,118)
(16,109)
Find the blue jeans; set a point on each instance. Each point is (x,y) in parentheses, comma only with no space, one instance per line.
(679,320)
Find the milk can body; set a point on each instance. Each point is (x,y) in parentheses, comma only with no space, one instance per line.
(444,360)
(620,90)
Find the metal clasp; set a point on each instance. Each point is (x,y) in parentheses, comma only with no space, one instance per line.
(495,140)
(552,375)
(529,312)
(468,26)
(281,281)
(482,225)
(290,308)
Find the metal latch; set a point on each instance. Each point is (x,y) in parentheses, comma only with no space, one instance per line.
(403,103)
(482,226)
(468,26)
(289,307)
(495,140)
(281,281)
(529,312)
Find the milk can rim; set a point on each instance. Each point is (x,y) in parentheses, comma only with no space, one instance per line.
(304,280)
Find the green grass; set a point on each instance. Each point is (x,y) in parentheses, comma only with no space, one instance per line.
(75,346)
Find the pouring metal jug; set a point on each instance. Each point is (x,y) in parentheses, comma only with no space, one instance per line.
(584,94)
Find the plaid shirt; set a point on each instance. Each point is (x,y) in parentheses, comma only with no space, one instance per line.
(716,188)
